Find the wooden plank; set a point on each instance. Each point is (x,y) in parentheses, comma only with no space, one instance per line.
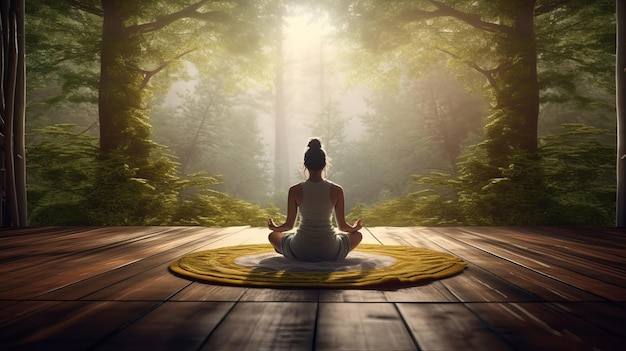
(91,284)
(563,244)
(85,265)
(571,318)
(475,284)
(583,239)
(588,249)
(551,263)
(38,232)
(525,279)
(450,327)
(75,259)
(612,238)
(72,325)
(362,326)
(277,295)
(351,295)
(247,234)
(23,309)
(257,326)
(156,284)
(253,236)
(172,326)
(533,326)
(430,291)
(208,292)
(608,316)
(26,251)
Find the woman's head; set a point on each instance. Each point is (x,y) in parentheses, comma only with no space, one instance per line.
(315,157)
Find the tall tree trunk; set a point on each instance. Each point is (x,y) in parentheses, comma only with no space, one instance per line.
(514,123)
(620,81)
(281,151)
(121,103)
(12,118)
(525,96)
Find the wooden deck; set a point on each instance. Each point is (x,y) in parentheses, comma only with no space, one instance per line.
(71,288)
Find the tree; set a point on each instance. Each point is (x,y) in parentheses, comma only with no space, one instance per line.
(418,126)
(12,105)
(620,72)
(215,131)
(501,42)
(138,40)
(330,126)
(124,73)
(140,49)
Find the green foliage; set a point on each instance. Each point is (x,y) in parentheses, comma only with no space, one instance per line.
(60,173)
(63,46)
(120,55)
(576,44)
(421,121)
(579,165)
(424,208)
(211,208)
(502,179)
(69,186)
(569,183)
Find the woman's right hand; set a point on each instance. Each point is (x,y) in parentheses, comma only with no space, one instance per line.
(357,225)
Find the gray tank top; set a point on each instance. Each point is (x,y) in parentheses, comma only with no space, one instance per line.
(316,209)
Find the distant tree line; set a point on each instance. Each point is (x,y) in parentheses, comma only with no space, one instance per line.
(536,146)
(481,112)
(100,68)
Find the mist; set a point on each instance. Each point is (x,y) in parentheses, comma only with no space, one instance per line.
(313,77)
(428,119)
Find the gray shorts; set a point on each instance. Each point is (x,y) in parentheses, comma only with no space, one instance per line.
(315,254)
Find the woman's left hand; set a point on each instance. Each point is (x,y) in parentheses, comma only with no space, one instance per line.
(271,225)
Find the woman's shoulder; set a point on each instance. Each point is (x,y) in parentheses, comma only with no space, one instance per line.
(335,187)
(333,184)
(296,188)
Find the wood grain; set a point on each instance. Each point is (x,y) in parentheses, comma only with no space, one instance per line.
(543,288)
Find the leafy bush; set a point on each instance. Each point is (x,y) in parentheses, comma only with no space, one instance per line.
(71,184)
(569,182)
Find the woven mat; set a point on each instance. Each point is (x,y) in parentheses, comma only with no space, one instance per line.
(367,266)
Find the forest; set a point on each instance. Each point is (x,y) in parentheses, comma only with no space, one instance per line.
(433,112)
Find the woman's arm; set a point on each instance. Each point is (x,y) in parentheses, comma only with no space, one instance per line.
(340,214)
(292,210)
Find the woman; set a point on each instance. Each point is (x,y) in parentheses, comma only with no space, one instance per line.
(316,198)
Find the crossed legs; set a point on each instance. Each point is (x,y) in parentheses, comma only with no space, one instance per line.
(276,238)
(355,239)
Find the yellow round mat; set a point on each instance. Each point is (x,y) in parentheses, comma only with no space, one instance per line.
(411,265)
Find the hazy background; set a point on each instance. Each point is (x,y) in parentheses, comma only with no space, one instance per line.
(433,112)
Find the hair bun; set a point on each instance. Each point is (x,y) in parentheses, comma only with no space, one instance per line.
(315,144)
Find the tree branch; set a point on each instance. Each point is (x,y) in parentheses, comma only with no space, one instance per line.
(550,7)
(94,10)
(444,10)
(487,73)
(147,75)
(188,12)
